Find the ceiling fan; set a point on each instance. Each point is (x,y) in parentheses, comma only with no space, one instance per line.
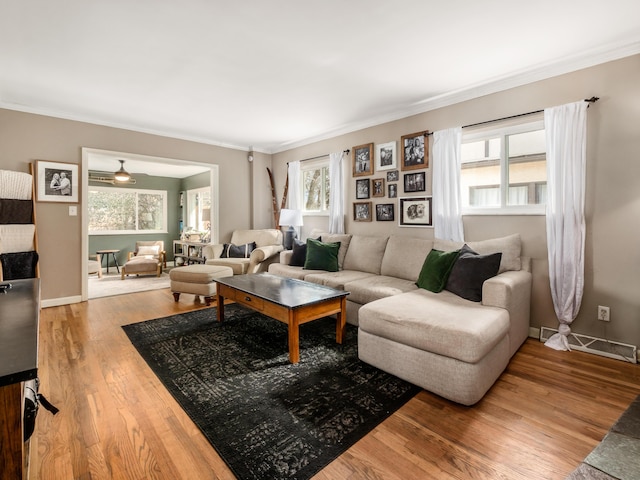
(121,177)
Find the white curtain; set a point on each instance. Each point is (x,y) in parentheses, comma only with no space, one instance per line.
(336,195)
(294,202)
(447,208)
(566,135)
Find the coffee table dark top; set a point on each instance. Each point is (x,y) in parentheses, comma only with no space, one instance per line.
(288,292)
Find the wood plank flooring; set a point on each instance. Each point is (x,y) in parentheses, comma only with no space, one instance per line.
(544,415)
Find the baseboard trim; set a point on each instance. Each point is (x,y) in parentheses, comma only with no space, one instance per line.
(56,302)
(534,332)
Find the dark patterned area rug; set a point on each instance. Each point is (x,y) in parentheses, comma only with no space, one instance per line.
(268,418)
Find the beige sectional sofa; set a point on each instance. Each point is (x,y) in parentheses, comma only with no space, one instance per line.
(446,344)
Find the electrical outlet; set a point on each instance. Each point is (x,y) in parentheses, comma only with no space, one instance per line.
(603,313)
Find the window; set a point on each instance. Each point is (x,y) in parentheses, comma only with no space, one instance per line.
(504,169)
(315,186)
(126,211)
(199,209)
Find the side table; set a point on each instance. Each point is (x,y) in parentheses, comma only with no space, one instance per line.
(105,254)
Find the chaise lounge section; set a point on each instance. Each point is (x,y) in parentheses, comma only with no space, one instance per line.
(449,345)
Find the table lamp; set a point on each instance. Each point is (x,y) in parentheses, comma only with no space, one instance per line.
(292,218)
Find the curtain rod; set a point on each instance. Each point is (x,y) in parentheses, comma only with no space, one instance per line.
(321,156)
(590,100)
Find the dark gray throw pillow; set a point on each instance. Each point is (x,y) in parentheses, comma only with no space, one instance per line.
(470,271)
(230,250)
(299,254)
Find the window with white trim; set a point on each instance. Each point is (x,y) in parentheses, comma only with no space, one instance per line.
(199,209)
(125,211)
(504,169)
(315,186)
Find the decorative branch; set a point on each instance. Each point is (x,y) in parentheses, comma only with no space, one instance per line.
(274,198)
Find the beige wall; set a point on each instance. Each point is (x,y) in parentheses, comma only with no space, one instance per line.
(612,266)
(612,206)
(26,137)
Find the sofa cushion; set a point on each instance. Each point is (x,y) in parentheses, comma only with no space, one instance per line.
(436,269)
(240,266)
(365,253)
(470,272)
(404,256)
(229,250)
(510,247)
(290,271)
(372,288)
(343,238)
(336,279)
(321,255)
(441,323)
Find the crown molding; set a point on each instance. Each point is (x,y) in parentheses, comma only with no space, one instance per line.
(498,84)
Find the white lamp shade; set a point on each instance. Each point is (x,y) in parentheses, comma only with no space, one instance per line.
(290,217)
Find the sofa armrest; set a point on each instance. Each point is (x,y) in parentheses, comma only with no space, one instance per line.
(285,256)
(512,291)
(262,254)
(212,251)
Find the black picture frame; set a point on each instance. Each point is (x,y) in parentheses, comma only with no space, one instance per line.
(385,212)
(415,212)
(363,188)
(415,182)
(393,190)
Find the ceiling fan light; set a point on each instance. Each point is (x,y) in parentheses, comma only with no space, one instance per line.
(122,175)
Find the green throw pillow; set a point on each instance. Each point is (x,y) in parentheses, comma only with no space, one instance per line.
(321,256)
(436,269)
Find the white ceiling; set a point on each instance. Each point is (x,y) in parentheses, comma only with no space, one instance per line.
(281,73)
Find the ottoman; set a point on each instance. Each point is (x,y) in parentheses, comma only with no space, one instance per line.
(197,280)
(141,266)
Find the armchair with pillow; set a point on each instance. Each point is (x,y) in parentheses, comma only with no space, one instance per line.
(148,258)
(249,251)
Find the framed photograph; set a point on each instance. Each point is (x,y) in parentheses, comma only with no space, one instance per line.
(415,182)
(363,188)
(57,182)
(362,211)
(385,212)
(386,156)
(393,190)
(363,160)
(414,153)
(415,212)
(378,187)
(393,176)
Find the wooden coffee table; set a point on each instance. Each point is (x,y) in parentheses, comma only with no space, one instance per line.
(288,300)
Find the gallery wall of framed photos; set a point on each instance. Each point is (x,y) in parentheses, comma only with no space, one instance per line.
(391,181)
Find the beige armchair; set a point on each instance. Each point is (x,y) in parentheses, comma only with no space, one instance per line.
(268,247)
(148,258)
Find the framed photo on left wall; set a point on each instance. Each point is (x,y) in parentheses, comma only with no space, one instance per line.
(57,182)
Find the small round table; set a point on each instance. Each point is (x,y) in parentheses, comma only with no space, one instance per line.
(106,254)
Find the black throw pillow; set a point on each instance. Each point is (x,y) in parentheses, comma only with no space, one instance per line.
(470,271)
(230,250)
(299,254)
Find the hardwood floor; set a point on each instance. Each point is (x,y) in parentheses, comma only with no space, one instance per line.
(544,415)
